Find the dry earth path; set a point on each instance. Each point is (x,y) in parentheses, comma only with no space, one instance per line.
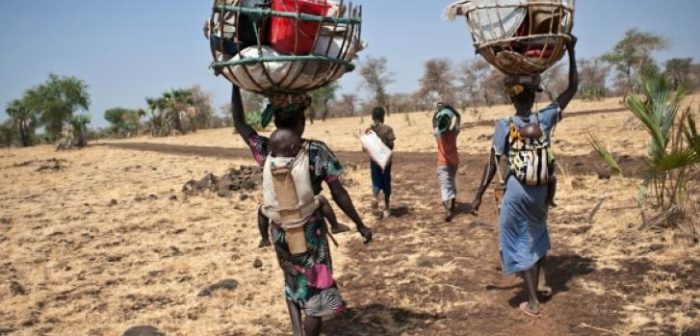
(451,270)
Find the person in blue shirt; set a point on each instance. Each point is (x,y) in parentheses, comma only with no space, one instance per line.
(524,139)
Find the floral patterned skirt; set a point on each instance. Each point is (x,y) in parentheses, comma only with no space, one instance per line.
(309,277)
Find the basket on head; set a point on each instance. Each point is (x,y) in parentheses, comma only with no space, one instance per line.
(519,37)
(283,46)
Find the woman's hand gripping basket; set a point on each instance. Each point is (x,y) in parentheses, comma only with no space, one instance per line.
(283,46)
(519,37)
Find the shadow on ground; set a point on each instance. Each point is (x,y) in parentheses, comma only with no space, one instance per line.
(560,270)
(378,319)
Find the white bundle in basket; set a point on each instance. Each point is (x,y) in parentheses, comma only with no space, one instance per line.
(292,75)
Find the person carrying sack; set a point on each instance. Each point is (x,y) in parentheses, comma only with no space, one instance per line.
(381,178)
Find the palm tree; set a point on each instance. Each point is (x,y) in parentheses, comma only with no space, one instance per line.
(177,102)
(80,129)
(56,100)
(24,119)
(674,149)
(157,107)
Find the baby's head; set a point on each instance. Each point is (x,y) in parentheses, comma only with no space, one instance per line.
(284,143)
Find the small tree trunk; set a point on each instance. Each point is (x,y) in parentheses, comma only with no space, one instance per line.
(178,124)
(194,127)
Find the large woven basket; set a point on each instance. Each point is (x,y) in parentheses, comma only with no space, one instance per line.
(242,52)
(519,37)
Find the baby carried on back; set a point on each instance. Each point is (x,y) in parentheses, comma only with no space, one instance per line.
(288,195)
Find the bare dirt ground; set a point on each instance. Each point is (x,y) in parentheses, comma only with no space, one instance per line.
(102,239)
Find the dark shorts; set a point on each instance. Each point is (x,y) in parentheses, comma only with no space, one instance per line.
(381,179)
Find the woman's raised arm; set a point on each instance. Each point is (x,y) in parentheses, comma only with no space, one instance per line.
(239,123)
(565,98)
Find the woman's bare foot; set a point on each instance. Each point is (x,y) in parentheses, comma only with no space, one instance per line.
(264,243)
(340,229)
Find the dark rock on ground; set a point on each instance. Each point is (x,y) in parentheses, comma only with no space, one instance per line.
(175,252)
(113,259)
(235,180)
(604,174)
(156,273)
(657,247)
(582,229)
(52,165)
(143,331)
(257,263)
(228,284)
(17,289)
(6,220)
(113,203)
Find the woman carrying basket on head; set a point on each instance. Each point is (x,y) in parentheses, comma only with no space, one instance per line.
(309,283)
(524,139)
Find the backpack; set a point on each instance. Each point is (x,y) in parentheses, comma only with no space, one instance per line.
(529,160)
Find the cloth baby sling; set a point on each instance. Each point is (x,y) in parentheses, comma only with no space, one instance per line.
(529,159)
(517,155)
(288,196)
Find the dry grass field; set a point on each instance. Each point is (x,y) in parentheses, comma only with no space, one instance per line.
(99,240)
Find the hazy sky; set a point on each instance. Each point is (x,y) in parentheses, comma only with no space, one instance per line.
(127,50)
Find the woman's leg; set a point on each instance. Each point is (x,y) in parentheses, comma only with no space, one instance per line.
(295,316)
(532,277)
(542,287)
(312,326)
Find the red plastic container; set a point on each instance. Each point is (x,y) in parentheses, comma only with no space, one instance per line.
(283,35)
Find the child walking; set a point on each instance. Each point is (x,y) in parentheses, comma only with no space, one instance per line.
(381,178)
(446,128)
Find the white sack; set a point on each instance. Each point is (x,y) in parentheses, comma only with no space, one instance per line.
(377,150)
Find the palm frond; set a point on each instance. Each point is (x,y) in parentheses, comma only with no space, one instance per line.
(640,110)
(676,160)
(604,153)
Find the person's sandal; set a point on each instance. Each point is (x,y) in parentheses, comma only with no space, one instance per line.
(525,308)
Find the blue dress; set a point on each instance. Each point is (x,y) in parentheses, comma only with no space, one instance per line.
(523,233)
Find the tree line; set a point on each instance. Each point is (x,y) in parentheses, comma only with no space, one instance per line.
(56,105)
(473,83)
(176,111)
